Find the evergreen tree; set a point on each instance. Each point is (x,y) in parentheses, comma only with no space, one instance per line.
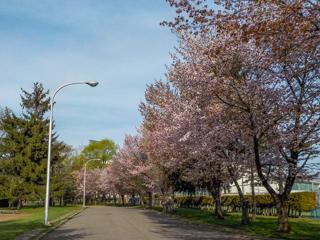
(24,146)
(63,184)
(12,161)
(35,105)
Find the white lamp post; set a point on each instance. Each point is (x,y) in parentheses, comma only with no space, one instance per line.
(46,207)
(84,180)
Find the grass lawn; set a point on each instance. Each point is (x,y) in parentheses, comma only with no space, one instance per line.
(13,225)
(302,228)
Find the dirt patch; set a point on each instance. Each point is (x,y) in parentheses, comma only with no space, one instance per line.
(10,217)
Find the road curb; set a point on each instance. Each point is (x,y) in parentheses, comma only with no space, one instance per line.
(38,234)
(57,223)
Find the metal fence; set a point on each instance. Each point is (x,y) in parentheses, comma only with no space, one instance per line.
(315,213)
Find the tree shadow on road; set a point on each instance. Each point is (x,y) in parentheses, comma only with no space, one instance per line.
(65,234)
(173,228)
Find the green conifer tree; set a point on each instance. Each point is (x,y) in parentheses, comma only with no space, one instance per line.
(12,157)
(24,146)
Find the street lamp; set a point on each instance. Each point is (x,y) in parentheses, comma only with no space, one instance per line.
(46,207)
(84,180)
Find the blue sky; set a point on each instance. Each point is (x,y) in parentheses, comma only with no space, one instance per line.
(118,43)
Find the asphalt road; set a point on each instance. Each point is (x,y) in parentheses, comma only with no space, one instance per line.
(115,223)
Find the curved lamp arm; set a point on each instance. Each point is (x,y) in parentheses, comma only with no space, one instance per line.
(90,83)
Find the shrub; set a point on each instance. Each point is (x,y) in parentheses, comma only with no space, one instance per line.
(298,202)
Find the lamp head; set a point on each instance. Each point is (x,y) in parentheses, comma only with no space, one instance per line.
(92,83)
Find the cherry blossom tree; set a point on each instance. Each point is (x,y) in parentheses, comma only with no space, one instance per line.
(116,181)
(180,137)
(92,184)
(260,59)
(129,170)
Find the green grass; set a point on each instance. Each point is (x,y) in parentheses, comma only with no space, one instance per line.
(302,228)
(32,219)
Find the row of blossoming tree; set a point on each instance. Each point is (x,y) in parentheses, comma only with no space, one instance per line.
(241,94)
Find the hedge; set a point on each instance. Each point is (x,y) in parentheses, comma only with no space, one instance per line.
(298,202)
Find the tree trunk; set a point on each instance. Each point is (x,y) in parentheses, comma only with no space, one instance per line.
(141,199)
(149,199)
(62,203)
(245,212)
(19,204)
(51,202)
(253,193)
(122,199)
(244,202)
(281,200)
(244,205)
(283,221)
(216,194)
(168,204)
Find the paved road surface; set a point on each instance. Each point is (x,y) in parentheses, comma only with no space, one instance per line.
(111,223)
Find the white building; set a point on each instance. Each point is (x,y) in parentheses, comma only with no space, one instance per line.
(299,186)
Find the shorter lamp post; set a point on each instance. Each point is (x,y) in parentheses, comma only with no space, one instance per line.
(84,180)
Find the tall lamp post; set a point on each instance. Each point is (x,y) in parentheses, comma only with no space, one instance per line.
(84,180)
(46,207)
